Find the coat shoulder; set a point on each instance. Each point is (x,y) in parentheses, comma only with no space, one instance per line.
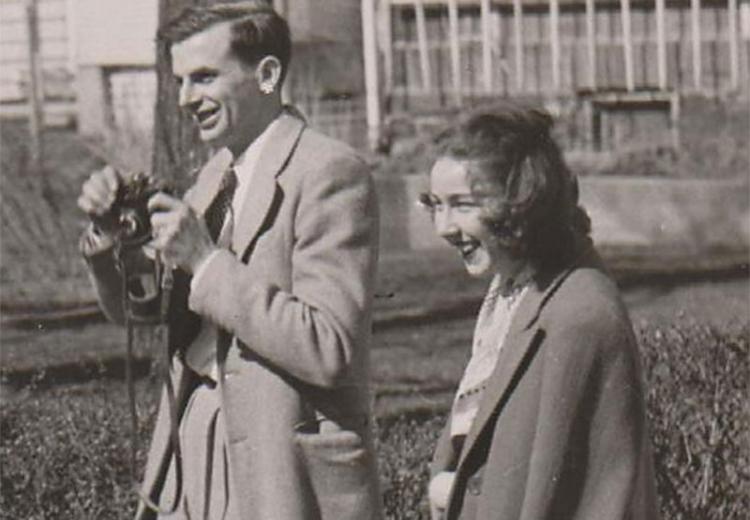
(325,150)
(587,308)
(587,295)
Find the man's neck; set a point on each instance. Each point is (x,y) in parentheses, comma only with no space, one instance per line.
(259,123)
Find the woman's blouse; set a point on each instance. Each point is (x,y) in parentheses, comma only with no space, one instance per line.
(493,322)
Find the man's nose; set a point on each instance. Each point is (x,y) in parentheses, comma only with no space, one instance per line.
(187,95)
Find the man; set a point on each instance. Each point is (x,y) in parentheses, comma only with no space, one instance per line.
(272,390)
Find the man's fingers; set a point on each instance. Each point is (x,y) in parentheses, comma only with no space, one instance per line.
(96,197)
(110,177)
(163,202)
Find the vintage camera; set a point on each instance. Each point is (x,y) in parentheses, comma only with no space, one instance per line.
(147,282)
(129,217)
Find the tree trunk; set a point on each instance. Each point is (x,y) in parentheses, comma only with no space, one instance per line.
(177,149)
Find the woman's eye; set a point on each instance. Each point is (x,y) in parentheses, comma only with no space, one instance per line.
(465,206)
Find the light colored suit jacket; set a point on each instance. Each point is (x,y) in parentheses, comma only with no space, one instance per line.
(561,430)
(296,293)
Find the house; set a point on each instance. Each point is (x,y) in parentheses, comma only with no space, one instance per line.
(605,60)
(97,58)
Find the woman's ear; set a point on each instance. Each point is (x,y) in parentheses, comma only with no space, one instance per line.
(268,74)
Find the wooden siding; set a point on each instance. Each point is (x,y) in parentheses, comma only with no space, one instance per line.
(55,50)
(530,70)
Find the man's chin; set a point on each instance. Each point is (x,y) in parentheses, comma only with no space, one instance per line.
(213,136)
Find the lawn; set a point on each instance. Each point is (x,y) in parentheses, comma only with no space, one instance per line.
(64,411)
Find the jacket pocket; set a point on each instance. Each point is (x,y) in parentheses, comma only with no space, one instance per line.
(342,474)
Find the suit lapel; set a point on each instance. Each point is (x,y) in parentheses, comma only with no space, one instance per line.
(520,342)
(274,156)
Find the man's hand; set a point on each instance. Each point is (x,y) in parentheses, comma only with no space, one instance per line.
(179,234)
(99,192)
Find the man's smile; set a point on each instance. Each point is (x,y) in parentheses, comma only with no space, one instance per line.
(205,117)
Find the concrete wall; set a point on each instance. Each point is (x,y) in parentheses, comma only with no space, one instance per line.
(690,216)
(113,32)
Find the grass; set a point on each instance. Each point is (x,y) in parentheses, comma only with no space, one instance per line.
(64,416)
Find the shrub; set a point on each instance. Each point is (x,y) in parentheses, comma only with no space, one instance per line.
(66,455)
(698,411)
(404,449)
(65,450)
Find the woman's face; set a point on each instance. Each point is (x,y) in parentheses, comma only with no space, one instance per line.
(456,216)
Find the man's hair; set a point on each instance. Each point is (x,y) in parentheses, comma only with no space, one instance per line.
(529,197)
(256,30)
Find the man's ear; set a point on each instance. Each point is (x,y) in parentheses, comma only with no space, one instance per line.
(268,74)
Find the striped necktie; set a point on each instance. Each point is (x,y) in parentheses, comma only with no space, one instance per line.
(222,203)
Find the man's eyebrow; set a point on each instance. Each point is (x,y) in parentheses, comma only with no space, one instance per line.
(203,71)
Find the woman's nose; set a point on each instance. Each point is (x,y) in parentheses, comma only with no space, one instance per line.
(444,223)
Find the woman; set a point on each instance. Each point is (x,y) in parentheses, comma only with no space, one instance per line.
(549,418)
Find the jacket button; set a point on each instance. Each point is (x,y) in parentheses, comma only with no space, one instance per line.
(474,485)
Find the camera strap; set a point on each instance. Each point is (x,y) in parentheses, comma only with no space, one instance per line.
(163,277)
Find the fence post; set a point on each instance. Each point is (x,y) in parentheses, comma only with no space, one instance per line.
(35,86)
(661,45)
(591,42)
(424,54)
(627,44)
(695,8)
(385,42)
(372,81)
(455,49)
(518,42)
(554,41)
(734,64)
(486,46)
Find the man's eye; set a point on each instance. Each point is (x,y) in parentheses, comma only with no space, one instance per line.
(204,78)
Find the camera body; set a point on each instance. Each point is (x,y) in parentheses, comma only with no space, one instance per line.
(129,221)
(129,217)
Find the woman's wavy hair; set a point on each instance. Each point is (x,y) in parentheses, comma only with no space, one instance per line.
(528,196)
(257,30)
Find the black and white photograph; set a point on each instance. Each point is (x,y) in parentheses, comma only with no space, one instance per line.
(374,259)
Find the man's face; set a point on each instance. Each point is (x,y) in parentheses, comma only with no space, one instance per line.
(220,91)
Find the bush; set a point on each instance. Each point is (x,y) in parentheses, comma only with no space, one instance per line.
(65,451)
(698,411)
(66,455)
(404,449)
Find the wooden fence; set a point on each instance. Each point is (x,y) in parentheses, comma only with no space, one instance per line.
(56,58)
(442,53)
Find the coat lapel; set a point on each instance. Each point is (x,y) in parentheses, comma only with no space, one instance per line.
(275,154)
(273,158)
(521,340)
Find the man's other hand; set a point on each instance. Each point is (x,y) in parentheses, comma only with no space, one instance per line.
(99,192)
(179,234)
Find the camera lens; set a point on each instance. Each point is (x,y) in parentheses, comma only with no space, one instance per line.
(131,225)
